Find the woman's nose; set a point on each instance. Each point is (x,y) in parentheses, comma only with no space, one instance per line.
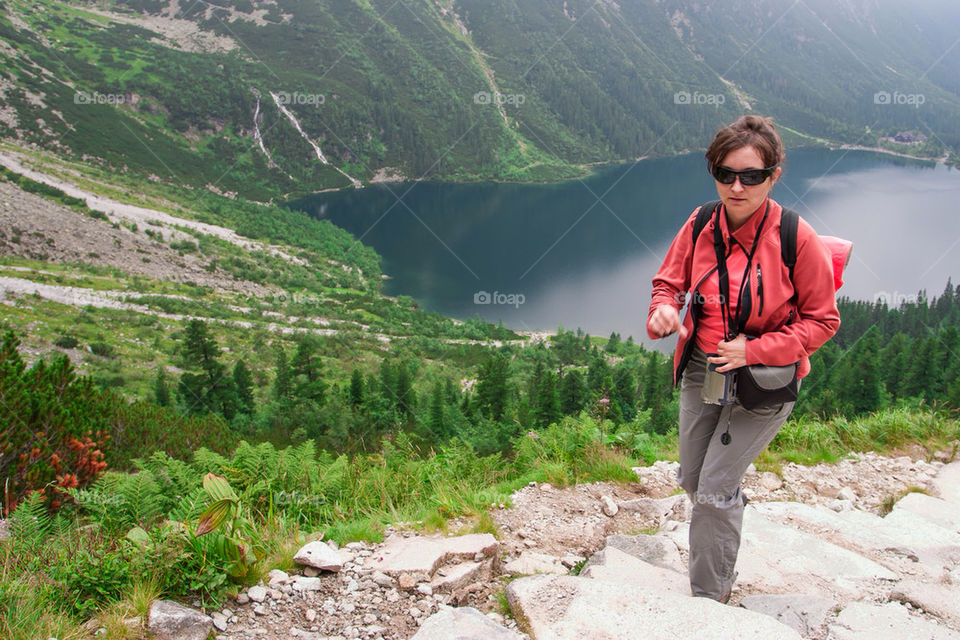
(737,185)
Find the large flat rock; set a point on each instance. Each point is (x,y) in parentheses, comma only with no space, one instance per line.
(866,532)
(938,511)
(574,608)
(805,613)
(612,565)
(463,623)
(424,554)
(658,550)
(780,557)
(941,600)
(889,621)
(947,482)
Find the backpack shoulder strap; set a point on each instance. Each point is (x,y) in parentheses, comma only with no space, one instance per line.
(789,220)
(703,217)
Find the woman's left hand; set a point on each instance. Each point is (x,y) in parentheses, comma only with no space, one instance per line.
(732,354)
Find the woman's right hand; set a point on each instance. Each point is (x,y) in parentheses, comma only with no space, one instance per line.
(665,320)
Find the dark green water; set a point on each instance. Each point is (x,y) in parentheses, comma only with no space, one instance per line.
(582,253)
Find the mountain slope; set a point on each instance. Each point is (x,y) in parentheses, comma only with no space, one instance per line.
(265,98)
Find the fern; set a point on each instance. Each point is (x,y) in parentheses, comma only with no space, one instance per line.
(205,461)
(31,522)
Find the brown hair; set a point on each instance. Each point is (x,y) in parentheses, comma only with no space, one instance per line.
(747,131)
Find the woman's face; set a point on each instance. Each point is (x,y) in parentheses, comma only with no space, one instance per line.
(739,200)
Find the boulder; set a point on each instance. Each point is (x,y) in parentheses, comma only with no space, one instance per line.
(169,620)
(459,575)
(465,623)
(613,565)
(658,550)
(319,555)
(609,506)
(573,608)
(531,562)
(889,621)
(936,510)
(805,613)
(947,482)
(942,600)
(425,554)
(778,556)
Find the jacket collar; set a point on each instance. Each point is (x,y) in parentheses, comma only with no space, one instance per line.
(746,233)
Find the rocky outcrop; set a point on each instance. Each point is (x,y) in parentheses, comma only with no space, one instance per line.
(806,571)
(169,620)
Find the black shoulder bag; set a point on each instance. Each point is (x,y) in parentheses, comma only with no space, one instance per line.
(758,385)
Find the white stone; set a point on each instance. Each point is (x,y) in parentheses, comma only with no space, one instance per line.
(257,593)
(936,510)
(302,583)
(219,621)
(609,506)
(170,620)
(776,556)
(276,578)
(770,481)
(425,554)
(889,621)
(319,555)
(531,562)
(464,623)
(613,565)
(573,608)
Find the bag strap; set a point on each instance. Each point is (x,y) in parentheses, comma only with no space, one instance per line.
(789,221)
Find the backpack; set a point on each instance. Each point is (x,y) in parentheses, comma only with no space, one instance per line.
(840,249)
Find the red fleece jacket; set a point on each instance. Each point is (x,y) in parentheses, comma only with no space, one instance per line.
(796,317)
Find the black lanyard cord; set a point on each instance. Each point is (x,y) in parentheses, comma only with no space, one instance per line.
(723,276)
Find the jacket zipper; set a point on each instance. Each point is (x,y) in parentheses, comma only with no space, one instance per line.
(759,291)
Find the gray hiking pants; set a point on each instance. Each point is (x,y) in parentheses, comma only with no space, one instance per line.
(710,472)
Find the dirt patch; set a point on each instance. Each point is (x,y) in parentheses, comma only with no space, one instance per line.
(37,228)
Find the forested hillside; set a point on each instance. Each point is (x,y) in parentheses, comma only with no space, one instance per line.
(271,97)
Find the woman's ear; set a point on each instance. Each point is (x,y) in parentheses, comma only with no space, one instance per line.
(776,174)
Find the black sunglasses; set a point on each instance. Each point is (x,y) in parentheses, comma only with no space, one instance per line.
(748,177)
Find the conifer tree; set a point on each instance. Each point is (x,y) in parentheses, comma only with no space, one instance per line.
(243,382)
(492,383)
(573,392)
(161,390)
(356,388)
(548,402)
(281,382)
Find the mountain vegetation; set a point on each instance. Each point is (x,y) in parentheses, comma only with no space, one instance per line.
(266,98)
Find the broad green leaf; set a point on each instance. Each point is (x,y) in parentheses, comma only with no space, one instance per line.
(139,537)
(218,488)
(214,516)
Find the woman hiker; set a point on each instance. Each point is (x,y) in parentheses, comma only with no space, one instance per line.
(746,308)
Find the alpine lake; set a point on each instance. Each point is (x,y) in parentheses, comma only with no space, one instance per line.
(582,253)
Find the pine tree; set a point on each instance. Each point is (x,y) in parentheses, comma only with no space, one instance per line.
(161,391)
(625,391)
(211,390)
(437,422)
(281,382)
(492,383)
(548,402)
(860,378)
(356,388)
(306,370)
(243,382)
(573,393)
(613,343)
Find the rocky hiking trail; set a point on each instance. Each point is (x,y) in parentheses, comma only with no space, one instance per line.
(817,561)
